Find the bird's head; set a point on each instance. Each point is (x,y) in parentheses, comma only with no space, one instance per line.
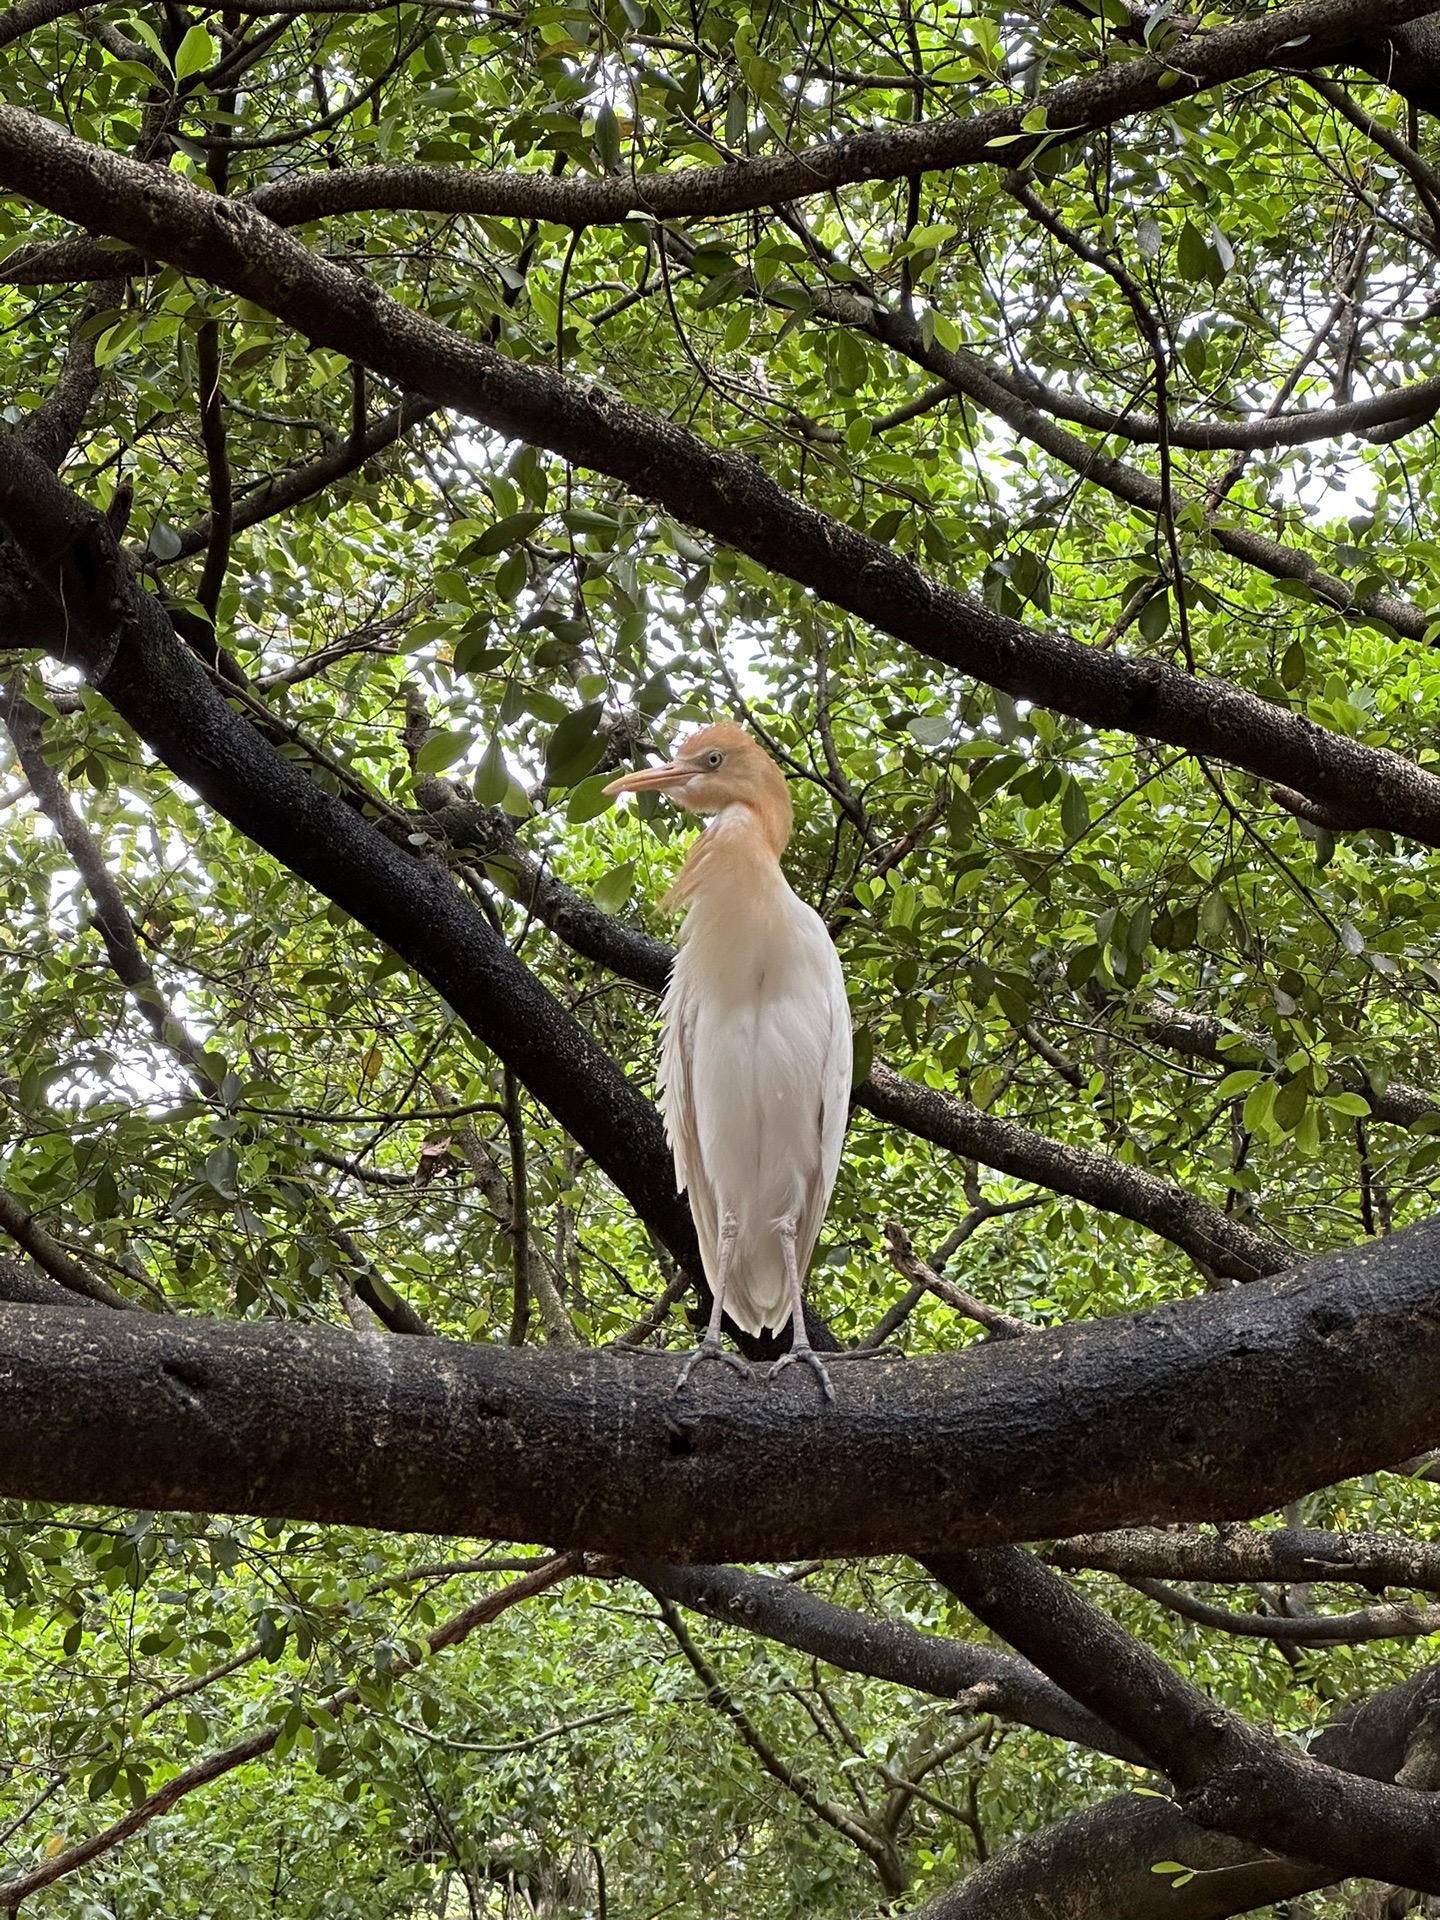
(721,766)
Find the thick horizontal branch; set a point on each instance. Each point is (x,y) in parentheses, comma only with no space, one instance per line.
(884,1649)
(1249,1554)
(1228,1774)
(1219,1407)
(725,494)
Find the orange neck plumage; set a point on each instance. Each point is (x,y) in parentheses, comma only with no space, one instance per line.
(740,849)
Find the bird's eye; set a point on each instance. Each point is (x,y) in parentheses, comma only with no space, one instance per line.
(714,759)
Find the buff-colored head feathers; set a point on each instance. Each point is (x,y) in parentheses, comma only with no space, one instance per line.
(718,767)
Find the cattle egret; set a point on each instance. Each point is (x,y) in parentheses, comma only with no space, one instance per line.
(755,1048)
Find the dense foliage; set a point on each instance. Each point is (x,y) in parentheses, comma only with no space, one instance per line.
(1114,944)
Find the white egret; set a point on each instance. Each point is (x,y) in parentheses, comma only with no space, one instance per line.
(755,1052)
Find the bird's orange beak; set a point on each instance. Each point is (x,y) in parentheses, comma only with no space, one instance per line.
(653,779)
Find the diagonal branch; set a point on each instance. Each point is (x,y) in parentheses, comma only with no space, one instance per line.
(889,1650)
(216,1765)
(22,721)
(724,493)
(1100,1863)
(1210,1237)
(1228,1774)
(91,613)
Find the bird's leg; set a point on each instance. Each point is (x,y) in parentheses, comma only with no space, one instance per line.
(710,1347)
(801,1352)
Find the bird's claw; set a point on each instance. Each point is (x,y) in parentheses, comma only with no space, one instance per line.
(711,1350)
(804,1356)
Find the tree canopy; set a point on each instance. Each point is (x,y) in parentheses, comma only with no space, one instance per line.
(1021,420)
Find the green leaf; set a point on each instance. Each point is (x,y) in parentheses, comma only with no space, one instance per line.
(1259,1107)
(850,363)
(1355,1105)
(1074,810)
(197,53)
(492,776)
(1193,256)
(512,576)
(613,889)
(1293,666)
(1241,1081)
(607,139)
(864,1055)
(441,750)
(103,1779)
(1214,915)
(589,800)
(142,30)
(506,533)
(1155,617)
(574,747)
(930,729)
(1290,1103)
(477,653)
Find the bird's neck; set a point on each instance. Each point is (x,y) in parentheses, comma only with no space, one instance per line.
(733,862)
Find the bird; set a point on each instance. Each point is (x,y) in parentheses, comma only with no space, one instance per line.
(755,1047)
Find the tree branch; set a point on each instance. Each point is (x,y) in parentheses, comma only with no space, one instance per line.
(1194,63)
(1216,1407)
(1228,1774)
(215,1765)
(884,1649)
(1249,1554)
(723,493)
(1399,1622)
(1218,1243)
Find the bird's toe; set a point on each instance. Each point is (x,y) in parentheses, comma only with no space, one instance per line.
(804,1357)
(712,1350)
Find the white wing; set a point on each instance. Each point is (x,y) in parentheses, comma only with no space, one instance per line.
(675,1084)
(833,1013)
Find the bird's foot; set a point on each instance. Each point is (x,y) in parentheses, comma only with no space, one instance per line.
(804,1355)
(711,1350)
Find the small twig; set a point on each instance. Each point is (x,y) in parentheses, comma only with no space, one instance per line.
(516,1746)
(675,1287)
(999,1325)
